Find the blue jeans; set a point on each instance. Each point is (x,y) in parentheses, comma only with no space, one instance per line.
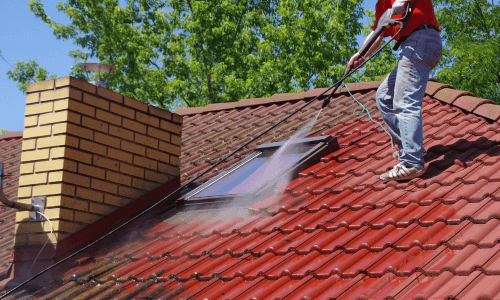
(399,97)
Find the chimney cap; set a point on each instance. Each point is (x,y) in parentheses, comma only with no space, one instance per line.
(98,67)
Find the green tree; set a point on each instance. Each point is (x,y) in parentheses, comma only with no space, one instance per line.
(471,34)
(3,131)
(191,53)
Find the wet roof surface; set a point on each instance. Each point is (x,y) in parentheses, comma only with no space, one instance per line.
(337,231)
(10,156)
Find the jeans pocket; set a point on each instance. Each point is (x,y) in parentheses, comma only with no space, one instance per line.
(432,52)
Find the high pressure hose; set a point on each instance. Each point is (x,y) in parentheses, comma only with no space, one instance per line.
(349,72)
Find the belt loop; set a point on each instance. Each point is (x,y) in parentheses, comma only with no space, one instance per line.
(426,28)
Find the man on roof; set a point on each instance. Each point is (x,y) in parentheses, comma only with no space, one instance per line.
(399,97)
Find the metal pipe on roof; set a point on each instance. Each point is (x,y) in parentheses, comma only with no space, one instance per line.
(16,205)
(13,204)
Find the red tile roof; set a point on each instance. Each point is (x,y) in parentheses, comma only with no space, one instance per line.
(10,156)
(338,231)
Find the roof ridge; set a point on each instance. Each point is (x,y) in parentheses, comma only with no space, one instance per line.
(464,100)
(276,98)
(11,135)
(444,92)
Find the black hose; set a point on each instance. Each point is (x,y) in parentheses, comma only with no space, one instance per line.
(336,85)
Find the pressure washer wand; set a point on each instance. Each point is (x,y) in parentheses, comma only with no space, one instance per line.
(384,21)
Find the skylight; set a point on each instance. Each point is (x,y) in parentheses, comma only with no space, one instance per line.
(264,169)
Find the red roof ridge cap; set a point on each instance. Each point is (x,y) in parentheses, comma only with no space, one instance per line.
(11,135)
(433,87)
(467,101)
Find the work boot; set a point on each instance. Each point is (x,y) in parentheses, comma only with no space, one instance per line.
(401,172)
(397,154)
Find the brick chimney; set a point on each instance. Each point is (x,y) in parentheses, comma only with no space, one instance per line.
(89,151)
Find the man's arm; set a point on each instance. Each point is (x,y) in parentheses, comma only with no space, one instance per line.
(372,49)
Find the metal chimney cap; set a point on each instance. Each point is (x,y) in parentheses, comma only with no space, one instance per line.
(98,67)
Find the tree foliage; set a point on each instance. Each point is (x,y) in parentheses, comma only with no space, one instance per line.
(195,52)
(3,131)
(471,34)
(25,72)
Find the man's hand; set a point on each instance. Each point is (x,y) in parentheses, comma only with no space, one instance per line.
(355,61)
(399,7)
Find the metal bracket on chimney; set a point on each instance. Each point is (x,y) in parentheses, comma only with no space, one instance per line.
(39,204)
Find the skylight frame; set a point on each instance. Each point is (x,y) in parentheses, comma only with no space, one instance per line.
(321,146)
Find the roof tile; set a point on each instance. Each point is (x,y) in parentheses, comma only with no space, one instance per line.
(433,87)
(490,111)
(470,103)
(449,95)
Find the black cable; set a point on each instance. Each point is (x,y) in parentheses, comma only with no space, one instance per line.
(336,85)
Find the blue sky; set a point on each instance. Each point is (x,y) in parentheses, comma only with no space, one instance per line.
(25,37)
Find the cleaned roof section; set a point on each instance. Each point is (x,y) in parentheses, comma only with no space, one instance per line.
(337,231)
(10,156)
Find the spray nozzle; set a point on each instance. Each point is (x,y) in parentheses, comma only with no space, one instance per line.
(325,102)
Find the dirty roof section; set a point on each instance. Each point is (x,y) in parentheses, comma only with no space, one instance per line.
(10,156)
(337,231)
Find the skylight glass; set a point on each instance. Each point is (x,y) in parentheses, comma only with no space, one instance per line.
(263,171)
(254,173)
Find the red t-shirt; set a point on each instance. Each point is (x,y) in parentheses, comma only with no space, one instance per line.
(423,13)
